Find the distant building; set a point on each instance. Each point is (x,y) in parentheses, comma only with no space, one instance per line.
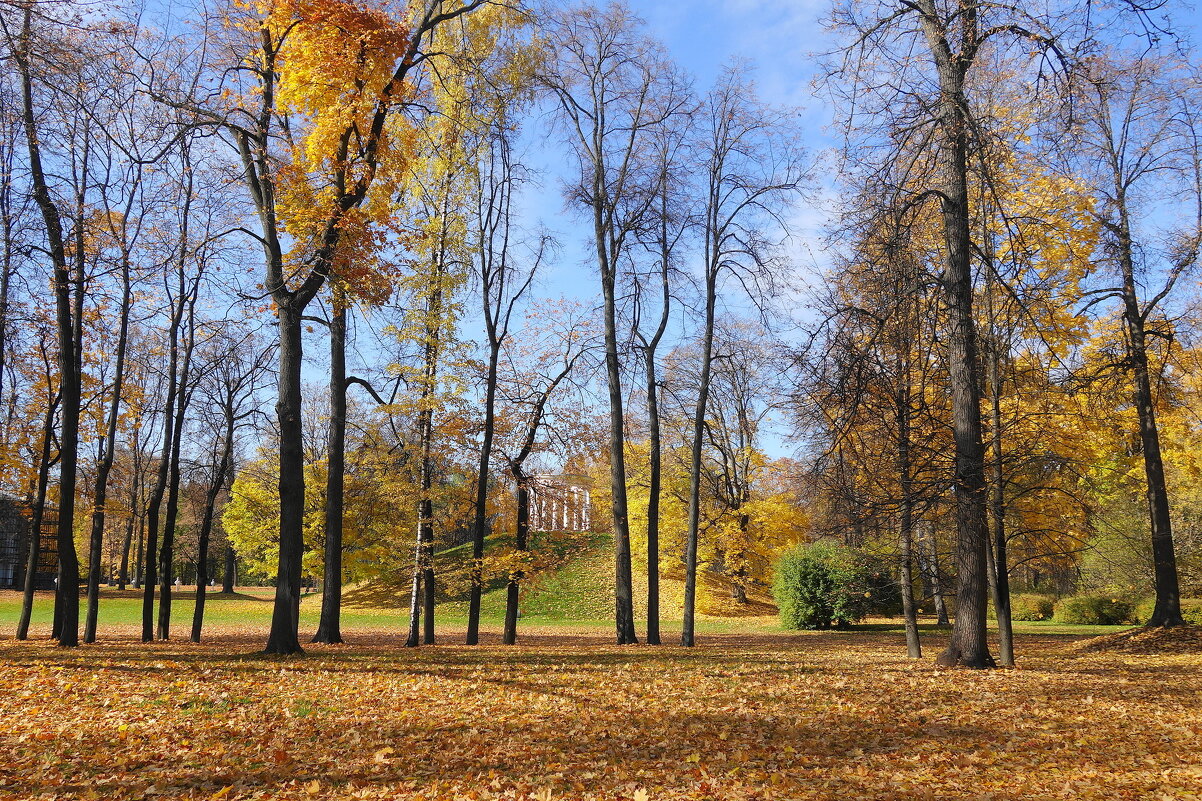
(15,522)
(561,502)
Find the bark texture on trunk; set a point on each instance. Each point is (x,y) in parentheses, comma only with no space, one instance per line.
(905,523)
(68,307)
(521,544)
(329,628)
(283,637)
(623,576)
(481,503)
(105,462)
(224,468)
(968,645)
(1167,611)
(687,631)
(228,576)
(998,569)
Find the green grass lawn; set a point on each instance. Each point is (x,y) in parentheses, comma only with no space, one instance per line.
(250,608)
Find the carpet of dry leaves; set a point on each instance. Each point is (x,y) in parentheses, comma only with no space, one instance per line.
(568,716)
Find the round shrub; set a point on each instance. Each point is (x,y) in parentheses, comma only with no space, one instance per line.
(1032,607)
(821,585)
(1095,610)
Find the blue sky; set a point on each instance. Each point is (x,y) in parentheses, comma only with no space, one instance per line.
(780,40)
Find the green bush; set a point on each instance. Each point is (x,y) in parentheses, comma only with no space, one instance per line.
(1032,607)
(1191,610)
(1095,610)
(822,585)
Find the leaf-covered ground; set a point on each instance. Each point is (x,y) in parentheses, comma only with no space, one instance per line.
(566,715)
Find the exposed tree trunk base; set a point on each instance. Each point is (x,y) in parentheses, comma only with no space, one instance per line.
(954,657)
(1164,621)
(328,637)
(281,647)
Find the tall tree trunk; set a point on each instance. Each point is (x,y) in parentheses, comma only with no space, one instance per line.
(655,456)
(968,645)
(174,416)
(655,466)
(481,503)
(905,522)
(154,505)
(67,596)
(126,545)
(932,574)
(231,568)
(995,552)
(623,578)
(423,568)
(415,595)
(1167,611)
(521,544)
(35,528)
(105,463)
(285,621)
(694,530)
(329,628)
(206,525)
(140,567)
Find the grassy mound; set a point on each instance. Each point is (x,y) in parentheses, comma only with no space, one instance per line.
(569,577)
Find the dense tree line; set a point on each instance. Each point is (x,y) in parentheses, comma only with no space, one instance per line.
(1000,340)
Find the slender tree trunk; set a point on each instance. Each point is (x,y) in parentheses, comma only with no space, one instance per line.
(995,552)
(426,507)
(415,595)
(1167,611)
(167,549)
(707,350)
(478,521)
(521,544)
(906,521)
(285,621)
(623,577)
(933,575)
(67,596)
(655,459)
(231,568)
(35,529)
(206,525)
(105,463)
(139,579)
(154,505)
(126,545)
(174,417)
(329,628)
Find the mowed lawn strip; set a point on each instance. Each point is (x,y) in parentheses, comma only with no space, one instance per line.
(567,716)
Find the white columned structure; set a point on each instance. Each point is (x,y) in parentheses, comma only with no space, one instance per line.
(560,502)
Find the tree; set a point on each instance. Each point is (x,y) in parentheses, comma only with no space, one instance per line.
(613,88)
(238,369)
(669,222)
(504,281)
(1139,137)
(314,103)
(537,367)
(927,109)
(750,168)
(34,49)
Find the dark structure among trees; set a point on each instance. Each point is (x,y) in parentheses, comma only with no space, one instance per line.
(15,522)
